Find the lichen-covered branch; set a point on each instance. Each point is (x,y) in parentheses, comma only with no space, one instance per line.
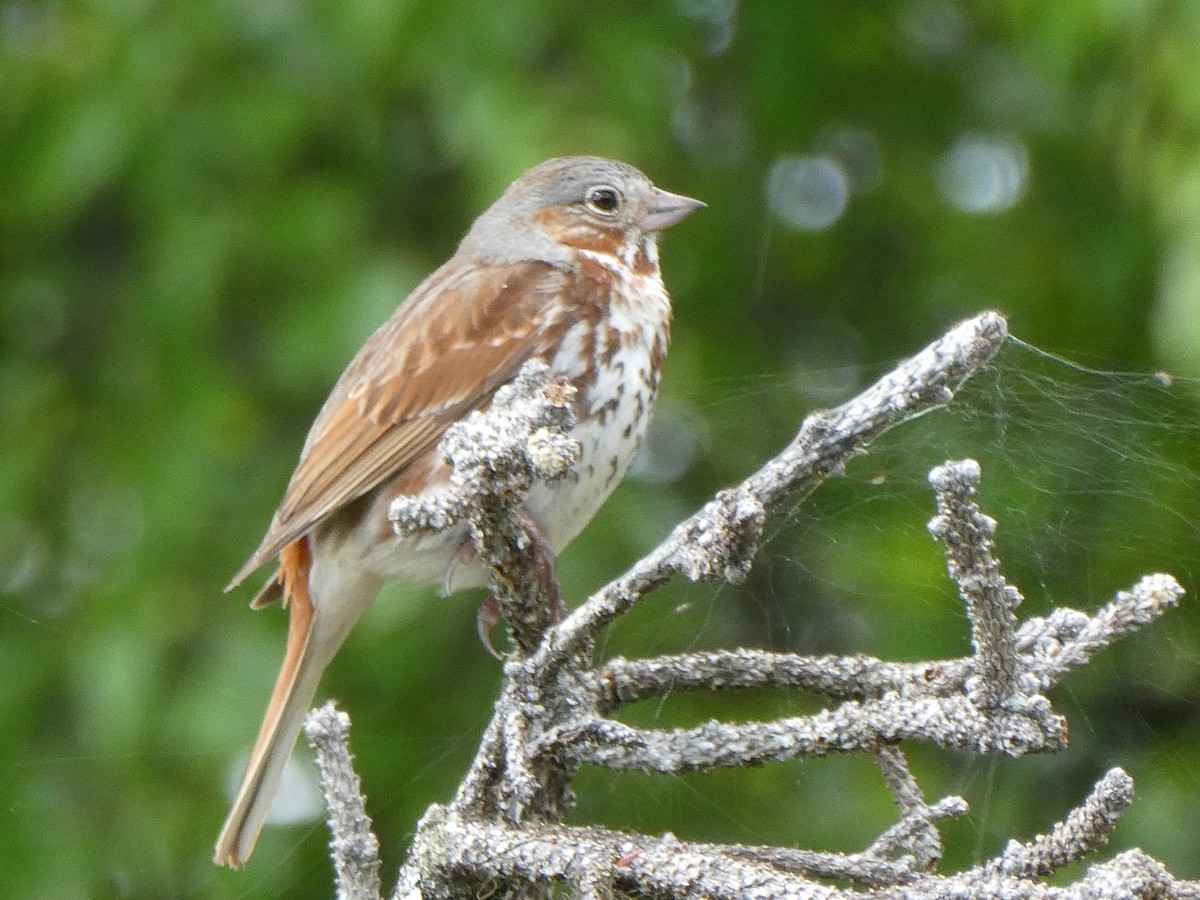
(720,540)
(991,601)
(1050,646)
(455,856)
(502,834)
(1081,832)
(1066,639)
(917,828)
(497,455)
(352,844)
(853,727)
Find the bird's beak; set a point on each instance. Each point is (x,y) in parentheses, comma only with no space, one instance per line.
(666,209)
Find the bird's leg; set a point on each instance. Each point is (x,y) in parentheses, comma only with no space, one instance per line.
(541,568)
(542,557)
(489,611)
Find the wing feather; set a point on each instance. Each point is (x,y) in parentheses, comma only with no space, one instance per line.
(463,333)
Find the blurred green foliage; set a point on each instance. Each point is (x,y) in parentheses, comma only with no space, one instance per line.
(206,207)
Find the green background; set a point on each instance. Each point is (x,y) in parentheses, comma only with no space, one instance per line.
(206,207)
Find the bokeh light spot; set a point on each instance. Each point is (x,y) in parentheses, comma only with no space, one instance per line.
(807,193)
(934,29)
(856,151)
(984,175)
(717,15)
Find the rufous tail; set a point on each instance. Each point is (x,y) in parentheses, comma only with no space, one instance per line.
(314,635)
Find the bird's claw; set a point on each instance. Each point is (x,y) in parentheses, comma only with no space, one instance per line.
(485,620)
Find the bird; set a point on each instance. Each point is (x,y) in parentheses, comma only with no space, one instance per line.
(562,268)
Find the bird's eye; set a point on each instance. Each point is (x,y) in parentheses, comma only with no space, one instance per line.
(604,200)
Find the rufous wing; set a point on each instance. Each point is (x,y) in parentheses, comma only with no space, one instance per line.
(463,332)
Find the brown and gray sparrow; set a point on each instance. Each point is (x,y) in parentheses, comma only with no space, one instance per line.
(562,268)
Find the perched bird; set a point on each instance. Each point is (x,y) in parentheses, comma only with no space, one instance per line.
(563,267)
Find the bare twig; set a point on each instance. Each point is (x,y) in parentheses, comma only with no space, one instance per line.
(991,602)
(1066,639)
(917,829)
(352,844)
(1086,828)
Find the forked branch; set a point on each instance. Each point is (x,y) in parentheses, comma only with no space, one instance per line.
(502,834)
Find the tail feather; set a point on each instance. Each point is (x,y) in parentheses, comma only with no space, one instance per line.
(271,592)
(315,632)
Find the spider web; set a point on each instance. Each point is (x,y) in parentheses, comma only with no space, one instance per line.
(1094,478)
